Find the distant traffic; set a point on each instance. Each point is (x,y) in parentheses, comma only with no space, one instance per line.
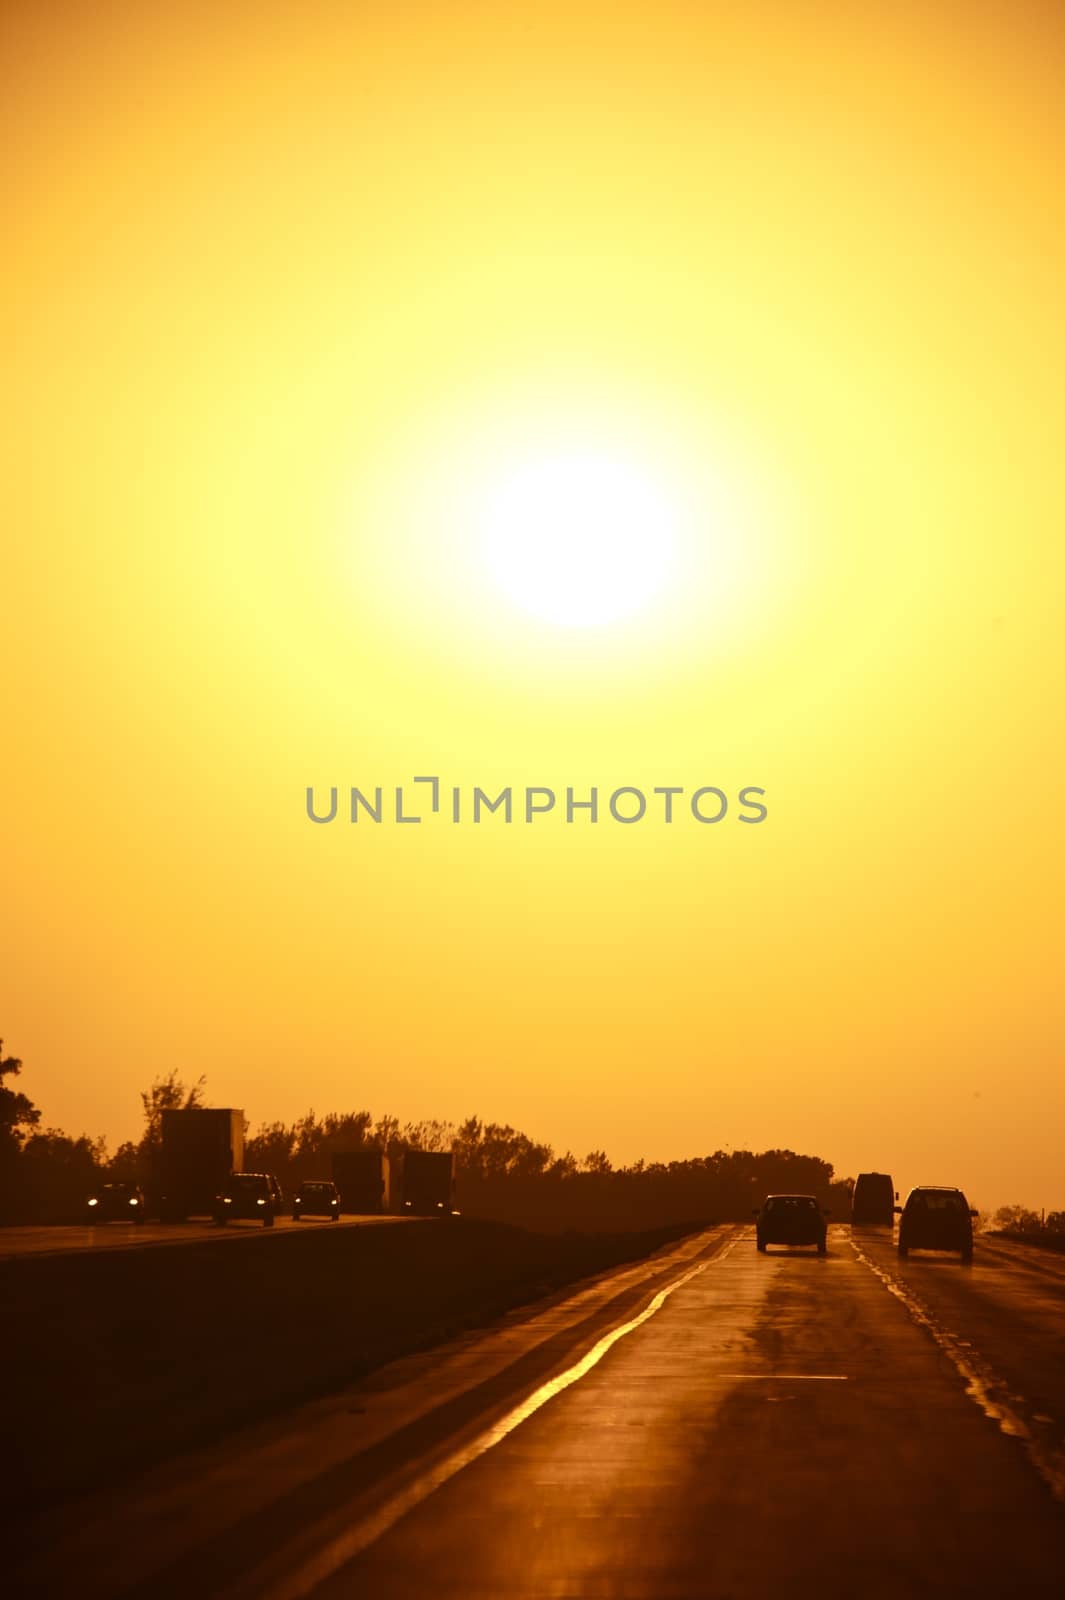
(934,1217)
(202,1175)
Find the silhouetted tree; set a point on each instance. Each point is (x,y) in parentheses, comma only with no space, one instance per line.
(18,1114)
(272,1150)
(560,1167)
(17,1111)
(1018,1219)
(386,1135)
(126,1164)
(348,1131)
(166,1093)
(57,1174)
(304,1149)
(431,1135)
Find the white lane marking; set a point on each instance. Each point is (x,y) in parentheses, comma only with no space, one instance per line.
(346,1546)
(979,1381)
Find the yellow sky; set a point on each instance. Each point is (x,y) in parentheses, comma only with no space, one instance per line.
(288,282)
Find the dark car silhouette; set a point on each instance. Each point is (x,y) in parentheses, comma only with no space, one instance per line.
(247,1196)
(318,1199)
(791,1219)
(115,1202)
(936,1219)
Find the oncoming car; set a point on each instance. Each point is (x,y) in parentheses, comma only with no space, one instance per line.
(316,1200)
(115,1202)
(247,1196)
(936,1219)
(791,1219)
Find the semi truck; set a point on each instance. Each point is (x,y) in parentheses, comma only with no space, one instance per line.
(426,1183)
(364,1180)
(200,1148)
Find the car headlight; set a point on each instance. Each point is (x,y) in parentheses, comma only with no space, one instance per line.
(94,1202)
(133,1202)
(260,1202)
(226,1201)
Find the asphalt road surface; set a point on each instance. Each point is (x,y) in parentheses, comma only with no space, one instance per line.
(130,1236)
(762,1427)
(784,1426)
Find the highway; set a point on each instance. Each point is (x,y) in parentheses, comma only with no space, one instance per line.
(734,1426)
(22,1241)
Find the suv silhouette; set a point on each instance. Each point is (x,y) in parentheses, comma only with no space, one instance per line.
(936,1219)
(247,1195)
(316,1199)
(791,1219)
(115,1202)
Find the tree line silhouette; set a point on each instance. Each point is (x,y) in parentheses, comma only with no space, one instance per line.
(1031,1227)
(45,1175)
(501,1173)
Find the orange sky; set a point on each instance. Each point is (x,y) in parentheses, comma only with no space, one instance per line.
(289,284)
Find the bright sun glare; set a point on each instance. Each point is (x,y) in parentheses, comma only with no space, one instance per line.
(578,538)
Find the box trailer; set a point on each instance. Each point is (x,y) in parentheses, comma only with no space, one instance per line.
(363,1178)
(200,1148)
(426,1183)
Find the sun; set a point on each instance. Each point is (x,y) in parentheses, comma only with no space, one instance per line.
(578,537)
